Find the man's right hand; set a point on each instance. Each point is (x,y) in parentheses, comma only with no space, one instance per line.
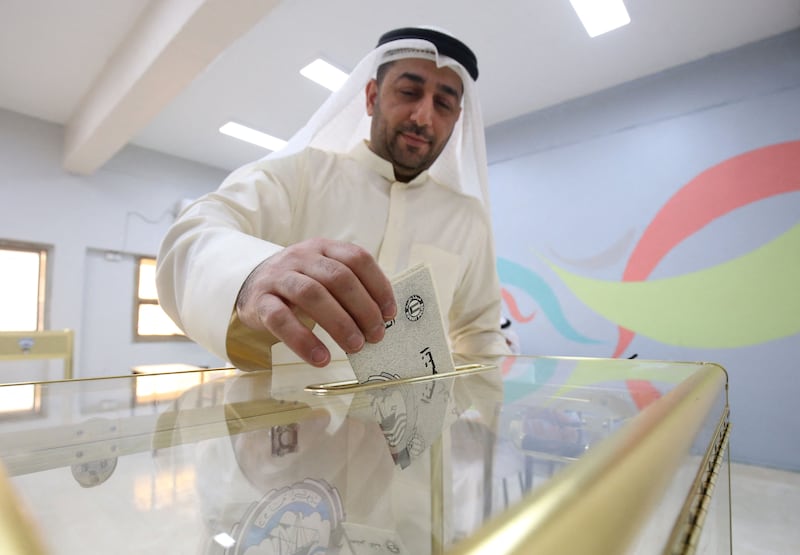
(338,285)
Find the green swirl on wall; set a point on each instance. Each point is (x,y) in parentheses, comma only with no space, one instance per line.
(749,300)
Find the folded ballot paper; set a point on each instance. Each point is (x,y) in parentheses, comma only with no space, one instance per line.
(415,343)
(410,415)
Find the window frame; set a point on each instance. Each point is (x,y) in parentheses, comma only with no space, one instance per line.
(43,290)
(139,301)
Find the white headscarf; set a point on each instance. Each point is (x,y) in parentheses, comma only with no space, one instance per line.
(342,120)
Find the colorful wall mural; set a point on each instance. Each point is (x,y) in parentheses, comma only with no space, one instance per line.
(748,300)
(661,219)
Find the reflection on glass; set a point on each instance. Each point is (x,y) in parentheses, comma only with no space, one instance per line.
(19,398)
(256,462)
(156,385)
(164,489)
(410,416)
(289,477)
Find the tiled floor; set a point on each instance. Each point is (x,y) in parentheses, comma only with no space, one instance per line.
(765,506)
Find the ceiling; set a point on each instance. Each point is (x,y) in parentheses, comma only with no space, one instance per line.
(166,74)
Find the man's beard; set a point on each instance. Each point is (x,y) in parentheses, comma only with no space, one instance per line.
(413,159)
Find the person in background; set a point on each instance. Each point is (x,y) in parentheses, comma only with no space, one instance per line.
(389,172)
(512,337)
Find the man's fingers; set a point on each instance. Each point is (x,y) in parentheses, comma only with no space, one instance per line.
(315,295)
(280,320)
(369,274)
(338,285)
(351,295)
(318,294)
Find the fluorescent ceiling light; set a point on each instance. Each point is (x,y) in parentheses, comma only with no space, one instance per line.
(323,73)
(252,136)
(601,16)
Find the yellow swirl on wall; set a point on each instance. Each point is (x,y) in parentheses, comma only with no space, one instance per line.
(746,301)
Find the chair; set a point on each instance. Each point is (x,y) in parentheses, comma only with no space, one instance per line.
(46,344)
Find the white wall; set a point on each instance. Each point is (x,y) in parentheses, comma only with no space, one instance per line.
(126,206)
(582,185)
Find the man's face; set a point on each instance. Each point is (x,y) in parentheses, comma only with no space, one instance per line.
(413,110)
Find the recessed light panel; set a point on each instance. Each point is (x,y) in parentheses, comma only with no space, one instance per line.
(601,16)
(252,136)
(323,73)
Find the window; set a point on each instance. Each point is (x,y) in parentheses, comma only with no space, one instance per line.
(151,322)
(20,400)
(22,286)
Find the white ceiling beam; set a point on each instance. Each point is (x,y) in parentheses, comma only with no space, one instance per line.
(166,49)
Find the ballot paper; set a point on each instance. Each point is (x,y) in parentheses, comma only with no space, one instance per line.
(415,343)
(411,416)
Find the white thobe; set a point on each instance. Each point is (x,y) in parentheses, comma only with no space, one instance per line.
(266,205)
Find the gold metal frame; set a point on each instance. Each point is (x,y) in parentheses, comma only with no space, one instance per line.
(689,524)
(352,386)
(18,535)
(598,503)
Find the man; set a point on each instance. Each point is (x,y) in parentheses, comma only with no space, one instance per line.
(309,234)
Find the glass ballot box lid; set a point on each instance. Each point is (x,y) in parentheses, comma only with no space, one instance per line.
(509,455)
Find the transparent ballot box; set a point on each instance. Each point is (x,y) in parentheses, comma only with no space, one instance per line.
(506,455)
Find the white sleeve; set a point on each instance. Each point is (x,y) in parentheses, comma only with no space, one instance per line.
(218,240)
(475,313)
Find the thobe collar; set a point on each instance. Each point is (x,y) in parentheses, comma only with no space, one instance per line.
(362,153)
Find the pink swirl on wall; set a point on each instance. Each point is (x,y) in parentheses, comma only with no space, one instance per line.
(511,303)
(755,175)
